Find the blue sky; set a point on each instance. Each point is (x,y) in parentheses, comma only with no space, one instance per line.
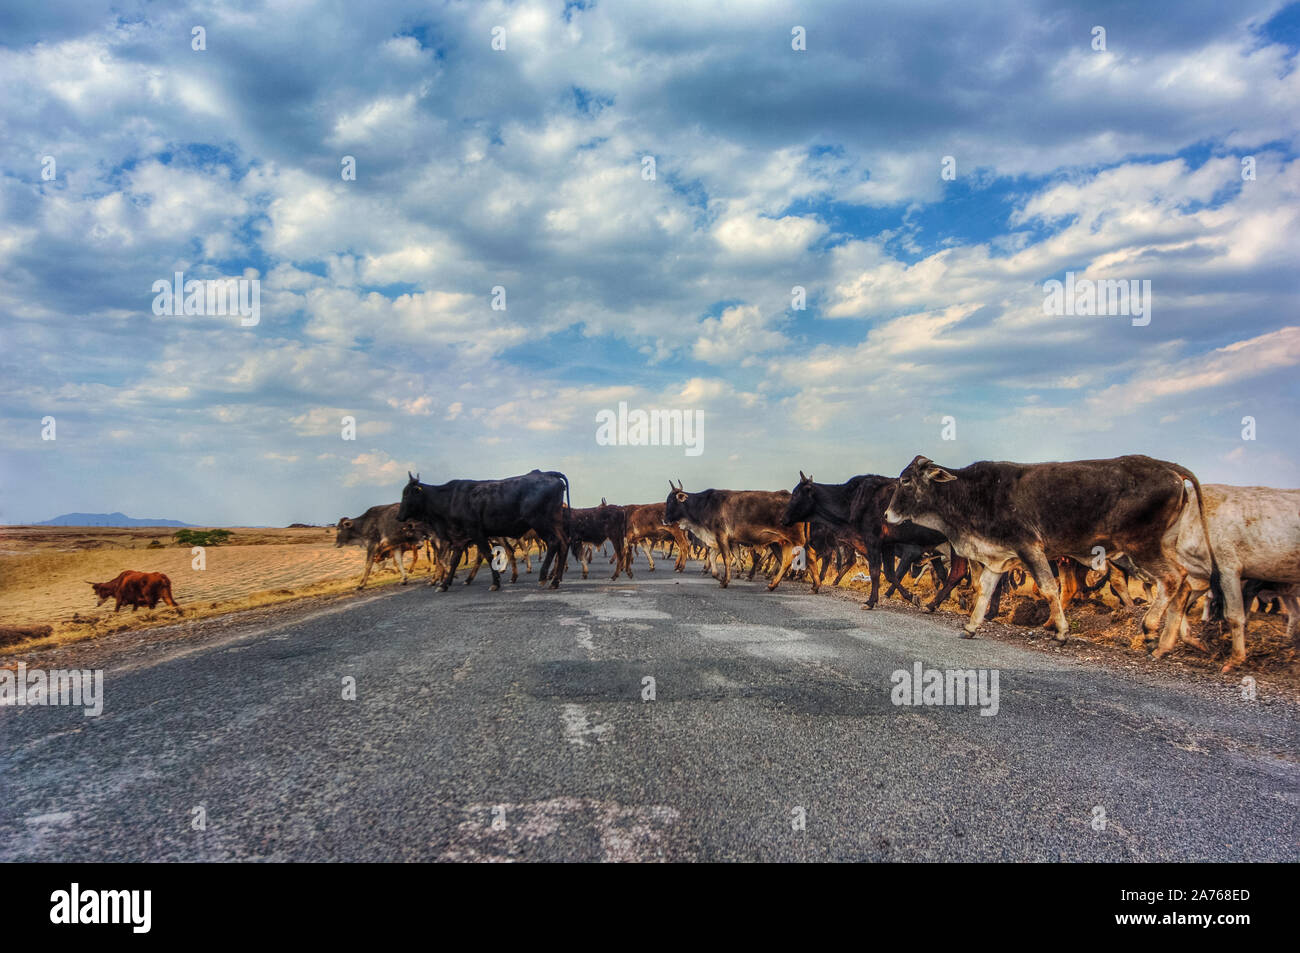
(523,168)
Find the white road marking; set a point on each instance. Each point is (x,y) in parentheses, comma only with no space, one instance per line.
(59,817)
(578,727)
(769,641)
(627,834)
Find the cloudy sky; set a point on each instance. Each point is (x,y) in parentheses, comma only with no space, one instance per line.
(524,168)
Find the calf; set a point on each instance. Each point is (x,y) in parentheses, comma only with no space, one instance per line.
(727,518)
(378,529)
(135,589)
(645,526)
(1008,514)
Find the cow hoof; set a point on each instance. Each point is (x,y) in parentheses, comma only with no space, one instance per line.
(1232,663)
(931,607)
(1196,643)
(556,584)
(493,588)
(443,588)
(966,634)
(1060,637)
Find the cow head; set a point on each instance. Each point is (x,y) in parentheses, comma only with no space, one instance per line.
(343,532)
(412,497)
(917,493)
(675,505)
(802,502)
(103,590)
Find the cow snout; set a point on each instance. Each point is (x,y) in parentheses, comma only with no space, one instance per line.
(892,517)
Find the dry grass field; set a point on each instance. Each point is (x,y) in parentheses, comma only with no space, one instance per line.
(44,571)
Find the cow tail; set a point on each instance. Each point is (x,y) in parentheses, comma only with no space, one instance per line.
(568,512)
(1216,583)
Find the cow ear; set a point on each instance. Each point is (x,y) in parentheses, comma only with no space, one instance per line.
(802,478)
(939,475)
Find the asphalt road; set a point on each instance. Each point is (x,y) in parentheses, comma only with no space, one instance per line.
(512,725)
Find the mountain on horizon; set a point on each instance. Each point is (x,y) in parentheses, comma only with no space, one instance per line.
(106,519)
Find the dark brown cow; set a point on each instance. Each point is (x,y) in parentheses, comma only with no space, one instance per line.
(595,524)
(853,512)
(645,527)
(1026,514)
(727,518)
(378,529)
(135,589)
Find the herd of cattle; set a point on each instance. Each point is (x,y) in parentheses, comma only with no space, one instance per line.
(1130,517)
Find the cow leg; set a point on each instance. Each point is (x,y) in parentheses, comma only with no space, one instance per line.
(453,563)
(370,561)
(1180,594)
(956,572)
(1040,566)
(484,547)
(874,556)
(401,562)
(648,548)
(988,582)
(1120,589)
(787,557)
(620,547)
(817,568)
(1235,614)
(1151,619)
(725,554)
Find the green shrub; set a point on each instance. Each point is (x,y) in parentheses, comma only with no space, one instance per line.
(201,537)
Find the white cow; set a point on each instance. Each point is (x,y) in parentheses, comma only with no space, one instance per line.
(1255,533)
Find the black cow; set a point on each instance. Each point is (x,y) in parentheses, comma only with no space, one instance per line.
(1007,514)
(854,512)
(473,511)
(594,525)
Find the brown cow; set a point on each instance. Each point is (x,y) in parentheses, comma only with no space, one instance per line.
(645,526)
(724,519)
(135,589)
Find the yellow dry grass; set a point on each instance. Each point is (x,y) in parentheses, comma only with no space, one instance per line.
(44,573)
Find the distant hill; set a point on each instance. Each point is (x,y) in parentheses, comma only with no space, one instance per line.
(106,519)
